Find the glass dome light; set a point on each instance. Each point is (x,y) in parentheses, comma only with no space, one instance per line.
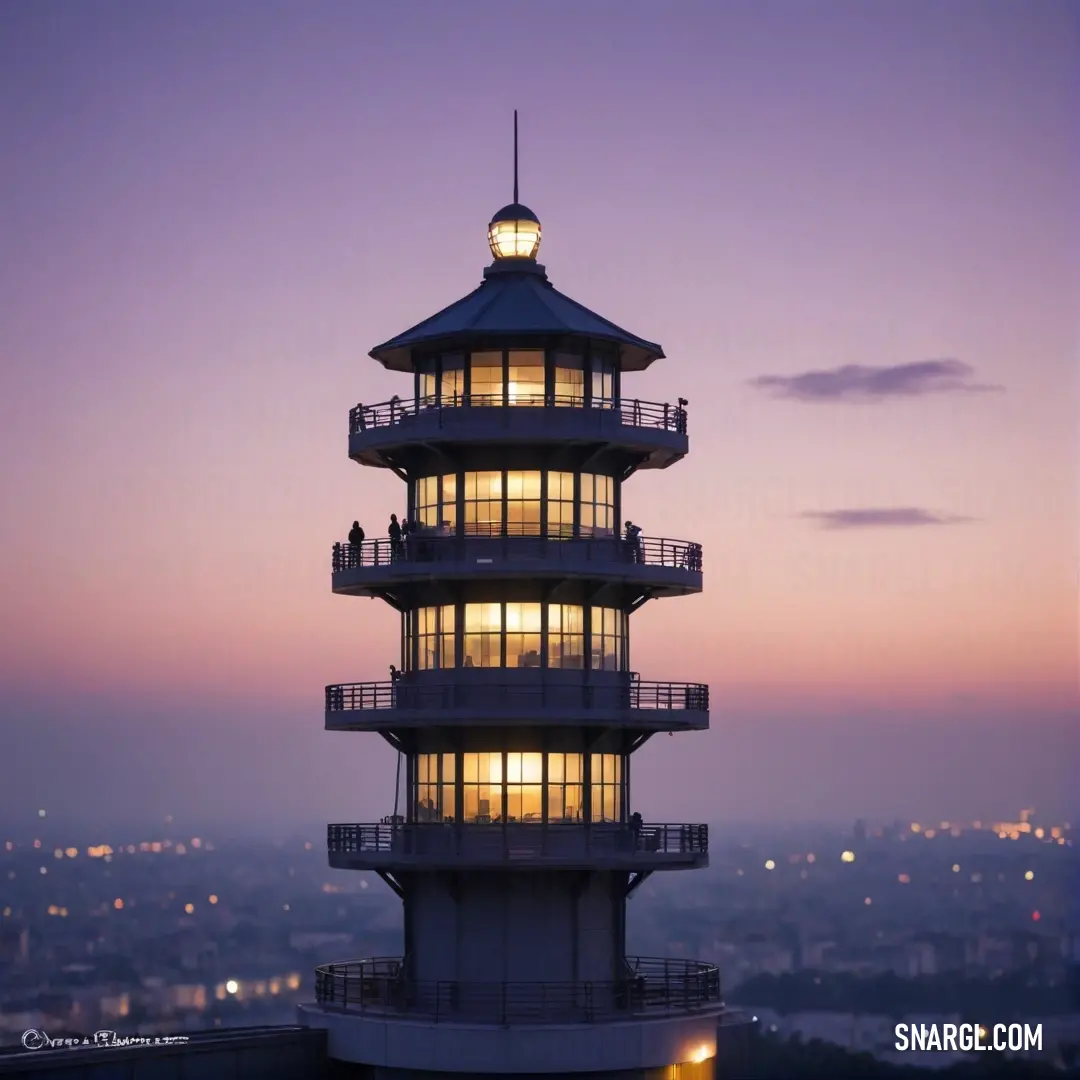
(514,233)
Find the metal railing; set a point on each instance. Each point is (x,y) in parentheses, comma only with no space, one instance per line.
(511,840)
(402,694)
(631,411)
(649,984)
(428,546)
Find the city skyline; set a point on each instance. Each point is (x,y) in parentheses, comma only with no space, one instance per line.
(863,276)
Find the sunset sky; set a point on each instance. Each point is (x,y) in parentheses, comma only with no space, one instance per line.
(852,227)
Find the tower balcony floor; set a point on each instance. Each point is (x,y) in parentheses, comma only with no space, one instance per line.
(652,434)
(486,697)
(444,845)
(656,566)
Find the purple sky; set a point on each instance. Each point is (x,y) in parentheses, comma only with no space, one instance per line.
(852,226)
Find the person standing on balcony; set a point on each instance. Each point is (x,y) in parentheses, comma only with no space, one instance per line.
(394,532)
(356,538)
(633,542)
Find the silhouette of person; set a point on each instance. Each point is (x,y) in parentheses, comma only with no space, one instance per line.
(356,534)
(394,532)
(633,538)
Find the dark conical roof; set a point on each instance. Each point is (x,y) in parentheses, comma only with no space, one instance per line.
(515,301)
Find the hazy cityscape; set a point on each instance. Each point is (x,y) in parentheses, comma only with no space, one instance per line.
(826,933)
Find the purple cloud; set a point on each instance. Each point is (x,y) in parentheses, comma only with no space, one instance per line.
(888,517)
(857,382)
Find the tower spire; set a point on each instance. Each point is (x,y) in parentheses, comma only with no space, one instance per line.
(515,158)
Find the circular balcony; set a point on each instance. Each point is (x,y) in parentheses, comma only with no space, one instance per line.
(657,566)
(394,846)
(650,987)
(497,697)
(653,435)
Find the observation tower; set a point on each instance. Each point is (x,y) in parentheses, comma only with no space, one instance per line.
(515,711)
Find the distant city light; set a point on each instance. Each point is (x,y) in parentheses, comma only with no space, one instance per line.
(1040,833)
(71,852)
(42,870)
(916,827)
(847,856)
(37,843)
(811,857)
(232,986)
(196,842)
(868,901)
(181,849)
(189,908)
(700,1054)
(9,845)
(904,879)
(308,845)
(1035,916)
(769,865)
(1029,875)
(285,907)
(118,904)
(7,912)
(213,898)
(58,853)
(956,868)
(41,813)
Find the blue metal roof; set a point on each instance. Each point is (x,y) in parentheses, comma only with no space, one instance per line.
(515,301)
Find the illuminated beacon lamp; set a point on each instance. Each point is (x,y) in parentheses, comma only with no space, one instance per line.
(514,233)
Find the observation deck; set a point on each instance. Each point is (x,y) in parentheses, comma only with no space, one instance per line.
(391,847)
(650,565)
(650,985)
(499,697)
(652,435)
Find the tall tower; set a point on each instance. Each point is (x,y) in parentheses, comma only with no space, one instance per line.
(515,709)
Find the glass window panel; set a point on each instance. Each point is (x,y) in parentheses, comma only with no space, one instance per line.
(532,766)
(453,380)
(560,504)
(427,389)
(569,380)
(448,765)
(566,636)
(523,635)
(434,634)
(597,505)
(523,503)
(436,501)
(606,795)
(483,503)
(526,377)
(555,768)
(486,374)
(603,382)
(483,630)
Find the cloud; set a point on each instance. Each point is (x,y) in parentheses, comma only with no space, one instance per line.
(880,517)
(856,382)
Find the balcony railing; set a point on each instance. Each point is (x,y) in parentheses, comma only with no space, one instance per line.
(661,696)
(631,412)
(649,985)
(432,547)
(516,840)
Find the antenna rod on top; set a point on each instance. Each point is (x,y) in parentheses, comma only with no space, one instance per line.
(515,158)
